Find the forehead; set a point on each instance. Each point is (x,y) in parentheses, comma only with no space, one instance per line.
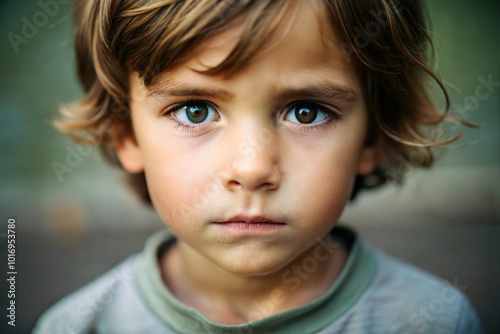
(302,38)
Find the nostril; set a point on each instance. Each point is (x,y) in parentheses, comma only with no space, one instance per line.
(268,186)
(259,172)
(233,184)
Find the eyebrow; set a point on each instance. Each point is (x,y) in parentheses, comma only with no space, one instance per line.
(180,89)
(321,90)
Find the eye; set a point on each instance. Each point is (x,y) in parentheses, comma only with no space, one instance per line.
(194,113)
(307,113)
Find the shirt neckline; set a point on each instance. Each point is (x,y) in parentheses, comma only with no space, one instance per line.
(358,272)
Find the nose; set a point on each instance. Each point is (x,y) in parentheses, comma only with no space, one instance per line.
(253,161)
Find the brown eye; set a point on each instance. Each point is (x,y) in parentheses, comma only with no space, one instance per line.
(306,113)
(196,113)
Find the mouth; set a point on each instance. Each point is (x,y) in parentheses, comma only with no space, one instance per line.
(254,224)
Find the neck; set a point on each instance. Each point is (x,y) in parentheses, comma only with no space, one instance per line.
(232,299)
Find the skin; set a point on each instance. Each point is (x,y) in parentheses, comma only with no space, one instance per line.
(251,156)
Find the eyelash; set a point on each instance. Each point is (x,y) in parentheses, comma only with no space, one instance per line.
(182,126)
(333,116)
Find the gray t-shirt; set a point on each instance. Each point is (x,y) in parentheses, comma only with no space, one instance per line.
(375,293)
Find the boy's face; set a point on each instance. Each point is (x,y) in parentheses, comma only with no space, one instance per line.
(281,139)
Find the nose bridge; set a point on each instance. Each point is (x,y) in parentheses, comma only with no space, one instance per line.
(254,156)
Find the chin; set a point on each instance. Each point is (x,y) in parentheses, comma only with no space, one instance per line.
(253,266)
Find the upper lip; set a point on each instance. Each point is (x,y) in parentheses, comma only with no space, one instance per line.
(249,220)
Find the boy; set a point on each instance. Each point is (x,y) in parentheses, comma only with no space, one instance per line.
(249,125)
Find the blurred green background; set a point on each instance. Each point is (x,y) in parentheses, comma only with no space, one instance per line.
(446,220)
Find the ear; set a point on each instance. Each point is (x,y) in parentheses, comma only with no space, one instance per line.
(129,153)
(369,157)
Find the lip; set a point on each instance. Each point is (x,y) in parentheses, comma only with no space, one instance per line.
(250,225)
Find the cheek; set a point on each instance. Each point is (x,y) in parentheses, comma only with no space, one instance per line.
(326,186)
(322,177)
(178,184)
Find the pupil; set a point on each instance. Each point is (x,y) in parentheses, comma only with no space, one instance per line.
(306,114)
(196,113)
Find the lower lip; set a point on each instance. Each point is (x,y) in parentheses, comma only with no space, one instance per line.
(250,228)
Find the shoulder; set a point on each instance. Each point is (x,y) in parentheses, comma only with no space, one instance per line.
(109,302)
(405,299)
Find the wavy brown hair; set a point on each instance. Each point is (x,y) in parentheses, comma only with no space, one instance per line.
(386,40)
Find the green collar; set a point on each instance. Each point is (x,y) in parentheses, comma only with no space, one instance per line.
(354,279)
